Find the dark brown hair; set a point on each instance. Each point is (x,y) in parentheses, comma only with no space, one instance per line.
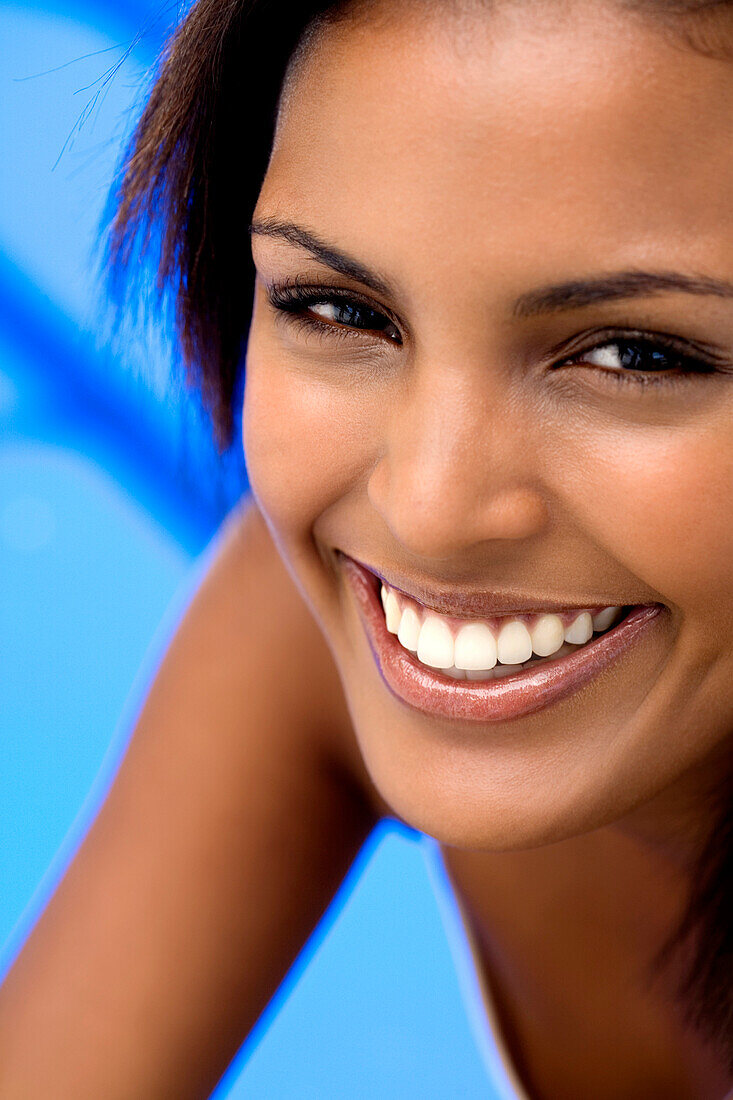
(190,182)
(192,174)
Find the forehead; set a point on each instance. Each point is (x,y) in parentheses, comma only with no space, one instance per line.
(532,127)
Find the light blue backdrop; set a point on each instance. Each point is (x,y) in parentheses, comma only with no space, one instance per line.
(109,490)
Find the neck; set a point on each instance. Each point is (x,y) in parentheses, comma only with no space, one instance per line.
(567,934)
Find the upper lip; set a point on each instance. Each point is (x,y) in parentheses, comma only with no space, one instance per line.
(468,603)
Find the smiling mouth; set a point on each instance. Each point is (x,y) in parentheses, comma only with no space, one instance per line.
(493,668)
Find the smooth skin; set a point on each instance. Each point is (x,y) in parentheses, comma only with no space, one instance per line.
(467,161)
(234,817)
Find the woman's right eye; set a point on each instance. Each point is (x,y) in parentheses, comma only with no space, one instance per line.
(331,313)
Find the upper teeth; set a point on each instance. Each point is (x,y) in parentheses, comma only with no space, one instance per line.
(469,648)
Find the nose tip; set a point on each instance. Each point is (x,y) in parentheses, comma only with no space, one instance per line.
(436,519)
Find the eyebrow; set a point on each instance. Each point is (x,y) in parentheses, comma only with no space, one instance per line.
(553,298)
(327,254)
(623,284)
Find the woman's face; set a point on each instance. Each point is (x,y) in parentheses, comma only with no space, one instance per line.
(490,447)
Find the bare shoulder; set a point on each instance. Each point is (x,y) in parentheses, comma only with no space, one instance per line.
(239,806)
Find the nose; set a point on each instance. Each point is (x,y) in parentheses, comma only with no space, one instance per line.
(457,468)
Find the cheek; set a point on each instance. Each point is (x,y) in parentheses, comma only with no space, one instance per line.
(665,499)
(307,442)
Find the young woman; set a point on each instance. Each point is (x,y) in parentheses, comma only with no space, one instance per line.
(484,585)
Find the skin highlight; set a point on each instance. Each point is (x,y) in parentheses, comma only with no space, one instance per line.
(465,172)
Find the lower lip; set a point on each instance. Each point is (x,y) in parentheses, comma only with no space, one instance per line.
(496,700)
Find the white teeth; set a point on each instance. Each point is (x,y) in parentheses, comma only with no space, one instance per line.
(392,613)
(475,647)
(476,652)
(547,635)
(514,644)
(409,630)
(580,630)
(435,643)
(604,618)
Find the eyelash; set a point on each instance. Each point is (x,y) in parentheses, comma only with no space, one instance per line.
(293,299)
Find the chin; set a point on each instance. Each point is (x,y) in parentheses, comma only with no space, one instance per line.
(493,796)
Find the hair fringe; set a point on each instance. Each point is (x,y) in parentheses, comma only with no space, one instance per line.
(190,179)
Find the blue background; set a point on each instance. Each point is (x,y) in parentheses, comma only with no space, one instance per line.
(110,489)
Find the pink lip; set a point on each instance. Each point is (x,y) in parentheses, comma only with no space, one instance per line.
(496,700)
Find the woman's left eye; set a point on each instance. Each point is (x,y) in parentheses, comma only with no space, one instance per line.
(636,358)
